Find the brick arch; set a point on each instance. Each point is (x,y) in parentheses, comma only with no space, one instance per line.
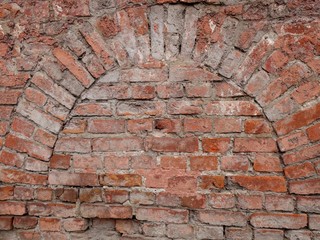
(256,63)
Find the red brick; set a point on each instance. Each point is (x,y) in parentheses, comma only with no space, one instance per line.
(184,231)
(97,44)
(308,186)
(4,126)
(279,220)
(142,92)
(250,201)
(182,184)
(232,108)
(45,137)
(305,153)
(169,144)
(17,176)
(9,96)
(12,208)
(5,223)
(227,125)
(168,125)
(6,192)
(275,62)
(173,162)
(211,182)
(93,109)
(50,224)
(203,163)
(71,9)
(279,203)
(43,194)
(117,144)
(267,163)
(139,125)
(306,92)
(59,210)
(197,125)
(73,144)
(220,217)
(73,179)
(122,180)
(235,163)
(75,224)
(314,132)
(106,126)
(167,215)
(220,145)
(300,170)
(194,202)
(261,183)
(23,126)
(5,112)
(75,68)
(75,126)
(203,90)
(60,161)
(108,27)
(11,159)
(297,120)
(255,145)
(23,193)
(222,200)
(189,73)
(184,107)
(170,90)
(103,211)
(256,126)
(66,194)
(25,222)
(115,196)
(90,195)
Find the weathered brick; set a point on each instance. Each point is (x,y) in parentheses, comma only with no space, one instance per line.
(308,186)
(180,231)
(276,220)
(227,125)
(72,144)
(12,208)
(224,218)
(233,108)
(18,176)
(5,223)
(261,183)
(189,73)
(122,180)
(211,182)
(73,179)
(117,144)
(143,75)
(25,222)
(68,8)
(6,192)
(167,215)
(75,224)
(220,145)
(255,145)
(235,163)
(197,125)
(50,224)
(59,210)
(203,163)
(268,234)
(308,204)
(106,126)
(93,109)
(222,200)
(313,132)
(184,107)
(75,67)
(9,96)
(250,201)
(102,211)
(279,203)
(300,170)
(169,144)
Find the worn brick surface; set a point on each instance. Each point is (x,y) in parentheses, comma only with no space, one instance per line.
(165,119)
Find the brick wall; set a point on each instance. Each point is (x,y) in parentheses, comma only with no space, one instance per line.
(161,119)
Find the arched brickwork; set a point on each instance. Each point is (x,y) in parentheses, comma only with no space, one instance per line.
(167,120)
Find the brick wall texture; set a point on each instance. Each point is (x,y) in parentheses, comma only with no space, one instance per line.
(159,119)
